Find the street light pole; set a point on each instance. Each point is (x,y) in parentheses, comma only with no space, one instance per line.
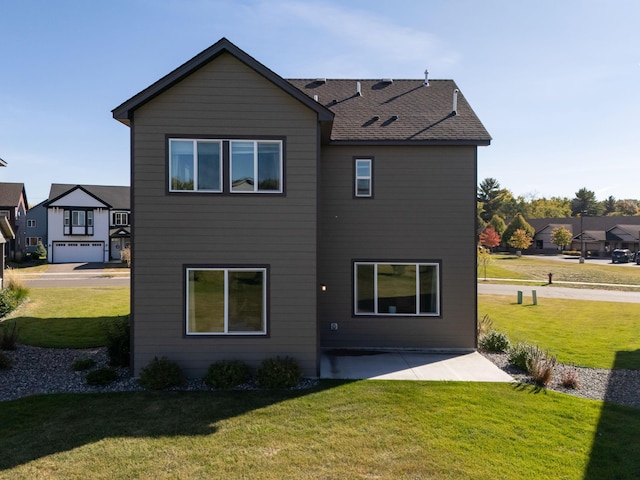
(582,237)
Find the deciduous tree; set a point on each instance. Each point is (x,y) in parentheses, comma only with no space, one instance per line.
(561,237)
(520,239)
(489,238)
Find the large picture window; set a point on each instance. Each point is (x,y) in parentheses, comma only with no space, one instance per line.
(195,165)
(230,301)
(397,288)
(78,222)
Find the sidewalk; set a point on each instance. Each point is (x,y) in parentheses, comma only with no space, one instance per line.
(549,291)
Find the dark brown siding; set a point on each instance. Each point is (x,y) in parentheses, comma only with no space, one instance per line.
(224,99)
(423,209)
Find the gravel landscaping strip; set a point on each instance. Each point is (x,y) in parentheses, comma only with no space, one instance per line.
(616,386)
(38,370)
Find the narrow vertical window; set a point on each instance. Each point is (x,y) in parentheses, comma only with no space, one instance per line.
(363,177)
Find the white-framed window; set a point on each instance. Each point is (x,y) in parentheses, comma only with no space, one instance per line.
(78,222)
(396,288)
(33,241)
(195,165)
(256,166)
(120,218)
(363,186)
(31,223)
(226,300)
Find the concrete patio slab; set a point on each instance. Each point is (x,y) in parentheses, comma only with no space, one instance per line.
(381,365)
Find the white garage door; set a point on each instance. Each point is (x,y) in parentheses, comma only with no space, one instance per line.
(77,252)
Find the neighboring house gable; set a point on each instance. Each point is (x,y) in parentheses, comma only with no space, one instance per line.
(14,206)
(79,222)
(268,223)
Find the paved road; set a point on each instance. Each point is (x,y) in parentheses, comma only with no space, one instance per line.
(549,291)
(78,275)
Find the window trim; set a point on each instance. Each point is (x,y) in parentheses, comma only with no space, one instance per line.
(116,215)
(255,166)
(226,268)
(194,164)
(417,264)
(356,177)
(68,228)
(226,164)
(31,223)
(28,242)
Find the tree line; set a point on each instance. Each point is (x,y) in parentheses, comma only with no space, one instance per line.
(501,216)
(495,200)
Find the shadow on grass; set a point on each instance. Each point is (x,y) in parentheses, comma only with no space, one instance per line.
(80,332)
(35,427)
(616,445)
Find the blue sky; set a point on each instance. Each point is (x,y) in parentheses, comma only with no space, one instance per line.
(554,82)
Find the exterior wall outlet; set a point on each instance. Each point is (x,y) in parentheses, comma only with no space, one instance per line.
(334,326)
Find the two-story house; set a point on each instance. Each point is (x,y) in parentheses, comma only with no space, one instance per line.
(277,217)
(14,206)
(87,223)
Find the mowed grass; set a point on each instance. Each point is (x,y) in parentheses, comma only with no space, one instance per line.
(69,317)
(368,429)
(580,332)
(538,269)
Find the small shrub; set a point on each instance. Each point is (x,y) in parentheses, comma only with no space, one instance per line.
(83,364)
(9,336)
(485,325)
(102,376)
(494,341)
(125,256)
(540,367)
(161,373)
(15,284)
(519,355)
(41,252)
(8,302)
(118,335)
(227,374)
(279,373)
(569,379)
(5,361)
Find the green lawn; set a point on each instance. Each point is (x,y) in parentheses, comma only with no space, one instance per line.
(584,333)
(509,266)
(368,429)
(70,317)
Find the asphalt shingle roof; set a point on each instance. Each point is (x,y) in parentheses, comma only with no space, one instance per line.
(116,196)
(396,111)
(10,194)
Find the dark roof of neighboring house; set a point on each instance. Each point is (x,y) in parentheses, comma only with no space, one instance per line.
(551,226)
(116,197)
(10,194)
(386,112)
(588,223)
(396,111)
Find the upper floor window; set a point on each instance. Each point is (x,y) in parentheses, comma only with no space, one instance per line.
(5,213)
(256,166)
(363,186)
(31,223)
(78,222)
(233,166)
(195,165)
(120,218)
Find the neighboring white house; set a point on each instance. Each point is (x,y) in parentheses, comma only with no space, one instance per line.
(87,223)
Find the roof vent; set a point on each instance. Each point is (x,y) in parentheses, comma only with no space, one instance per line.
(394,118)
(321,80)
(455,102)
(387,80)
(315,97)
(358,89)
(426,78)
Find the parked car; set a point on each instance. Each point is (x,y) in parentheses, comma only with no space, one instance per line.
(621,255)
